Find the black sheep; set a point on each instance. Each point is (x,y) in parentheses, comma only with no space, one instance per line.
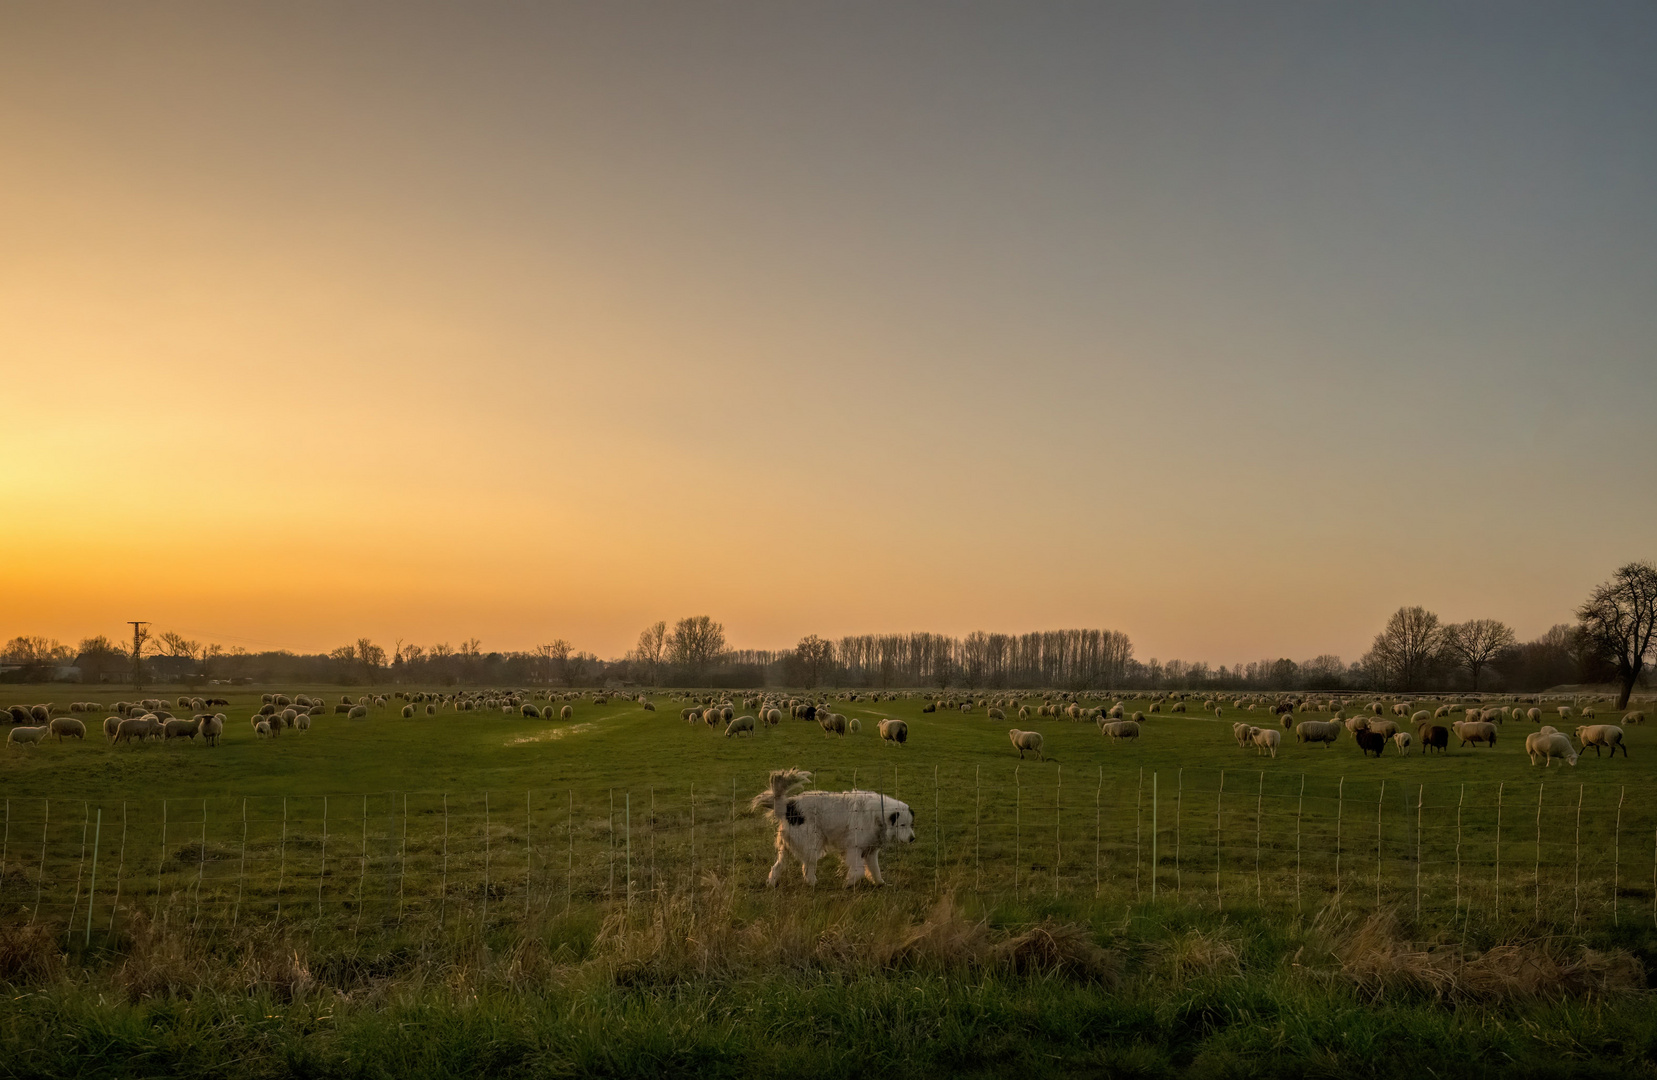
(1369,740)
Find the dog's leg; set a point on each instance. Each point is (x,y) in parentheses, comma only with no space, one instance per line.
(775,877)
(808,869)
(854,866)
(873,869)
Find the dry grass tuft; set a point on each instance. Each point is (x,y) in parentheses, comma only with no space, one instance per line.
(1059,950)
(1197,953)
(159,962)
(1378,961)
(29,954)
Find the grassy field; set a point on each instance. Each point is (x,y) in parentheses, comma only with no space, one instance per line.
(595,886)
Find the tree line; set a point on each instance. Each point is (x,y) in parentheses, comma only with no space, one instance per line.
(1612,640)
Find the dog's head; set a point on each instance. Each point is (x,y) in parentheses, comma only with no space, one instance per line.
(900,825)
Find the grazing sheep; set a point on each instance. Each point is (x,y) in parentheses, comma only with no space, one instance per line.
(27,736)
(1026,740)
(1119,729)
(854,725)
(1548,745)
(1179,706)
(1435,737)
(1318,731)
(832,723)
(1441,711)
(1266,740)
(1383,728)
(262,729)
(1155,706)
(40,714)
(1588,712)
(1402,741)
(211,728)
(810,823)
(1564,712)
(894,731)
(1422,716)
(1475,731)
(64,725)
(408,712)
(649,707)
(1368,741)
(530,711)
(1243,733)
(772,716)
(356,712)
(1595,735)
(110,725)
(137,727)
(739,725)
(180,729)
(995,714)
(1357,723)
(1533,715)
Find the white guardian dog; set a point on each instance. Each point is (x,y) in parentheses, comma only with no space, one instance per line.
(857,824)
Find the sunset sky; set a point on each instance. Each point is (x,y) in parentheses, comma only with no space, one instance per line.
(1230,326)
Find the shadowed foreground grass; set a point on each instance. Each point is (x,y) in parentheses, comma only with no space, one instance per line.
(728,984)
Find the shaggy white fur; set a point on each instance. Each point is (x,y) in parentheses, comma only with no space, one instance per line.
(855,824)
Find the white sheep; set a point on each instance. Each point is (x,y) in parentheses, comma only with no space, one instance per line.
(1546,745)
(28,736)
(357,712)
(894,731)
(69,726)
(1242,733)
(740,725)
(1595,735)
(854,725)
(1266,739)
(1026,740)
(262,728)
(211,728)
(1119,729)
(1402,740)
(110,725)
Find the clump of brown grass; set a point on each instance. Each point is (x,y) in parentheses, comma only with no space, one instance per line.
(1197,953)
(29,954)
(1379,961)
(1055,950)
(159,962)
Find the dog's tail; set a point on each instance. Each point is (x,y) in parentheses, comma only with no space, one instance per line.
(784,782)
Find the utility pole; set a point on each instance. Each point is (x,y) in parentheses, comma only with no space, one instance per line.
(139,636)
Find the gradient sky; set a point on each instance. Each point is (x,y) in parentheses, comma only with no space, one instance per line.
(1233,327)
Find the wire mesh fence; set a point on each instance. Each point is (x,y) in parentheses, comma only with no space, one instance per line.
(1554,852)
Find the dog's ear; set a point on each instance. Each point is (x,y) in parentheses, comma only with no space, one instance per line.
(894,817)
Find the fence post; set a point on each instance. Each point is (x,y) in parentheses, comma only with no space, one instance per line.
(977,804)
(443,891)
(40,876)
(1018,828)
(362,868)
(160,862)
(92,891)
(1378,805)
(1536,914)
(1420,795)
(1616,857)
(1460,799)
(1058,819)
(1300,807)
(1219,805)
(402,861)
(569,869)
(732,874)
(120,869)
(201,866)
(1340,809)
(1499,789)
(86,822)
(1138,813)
(1098,794)
(937,832)
(627,824)
(1259,807)
(5,844)
(529,851)
(1153,837)
(241,868)
(693,837)
(322,874)
(483,925)
(1179,807)
(282,865)
(655,883)
(1576,864)
(610,854)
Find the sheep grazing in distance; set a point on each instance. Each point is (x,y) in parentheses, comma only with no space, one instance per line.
(740,725)
(530,711)
(73,728)
(1119,729)
(1441,711)
(1595,735)
(303,723)
(772,716)
(1588,712)
(180,729)
(1318,731)
(854,725)
(1369,742)
(1533,715)
(995,714)
(408,712)
(1266,740)
(1179,706)
(262,728)
(110,725)
(211,728)
(1243,733)
(356,712)
(1384,728)
(832,723)
(27,736)
(894,731)
(649,706)
(1435,737)
(1564,712)
(1633,718)
(1421,716)
(137,727)
(1548,745)
(1026,740)
(1402,741)
(1475,732)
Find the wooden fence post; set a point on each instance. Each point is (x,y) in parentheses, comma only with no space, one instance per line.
(1381,802)
(1576,863)
(120,869)
(1058,819)
(1018,828)
(1616,857)
(1179,803)
(92,892)
(1219,803)
(282,863)
(1300,808)
(1340,808)
(1420,796)
(1499,789)
(241,868)
(1259,808)
(1098,795)
(86,823)
(1536,914)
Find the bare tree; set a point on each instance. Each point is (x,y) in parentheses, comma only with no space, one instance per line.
(695,644)
(1407,649)
(812,656)
(1477,642)
(566,668)
(177,645)
(371,657)
(652,646)
(1618,623)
